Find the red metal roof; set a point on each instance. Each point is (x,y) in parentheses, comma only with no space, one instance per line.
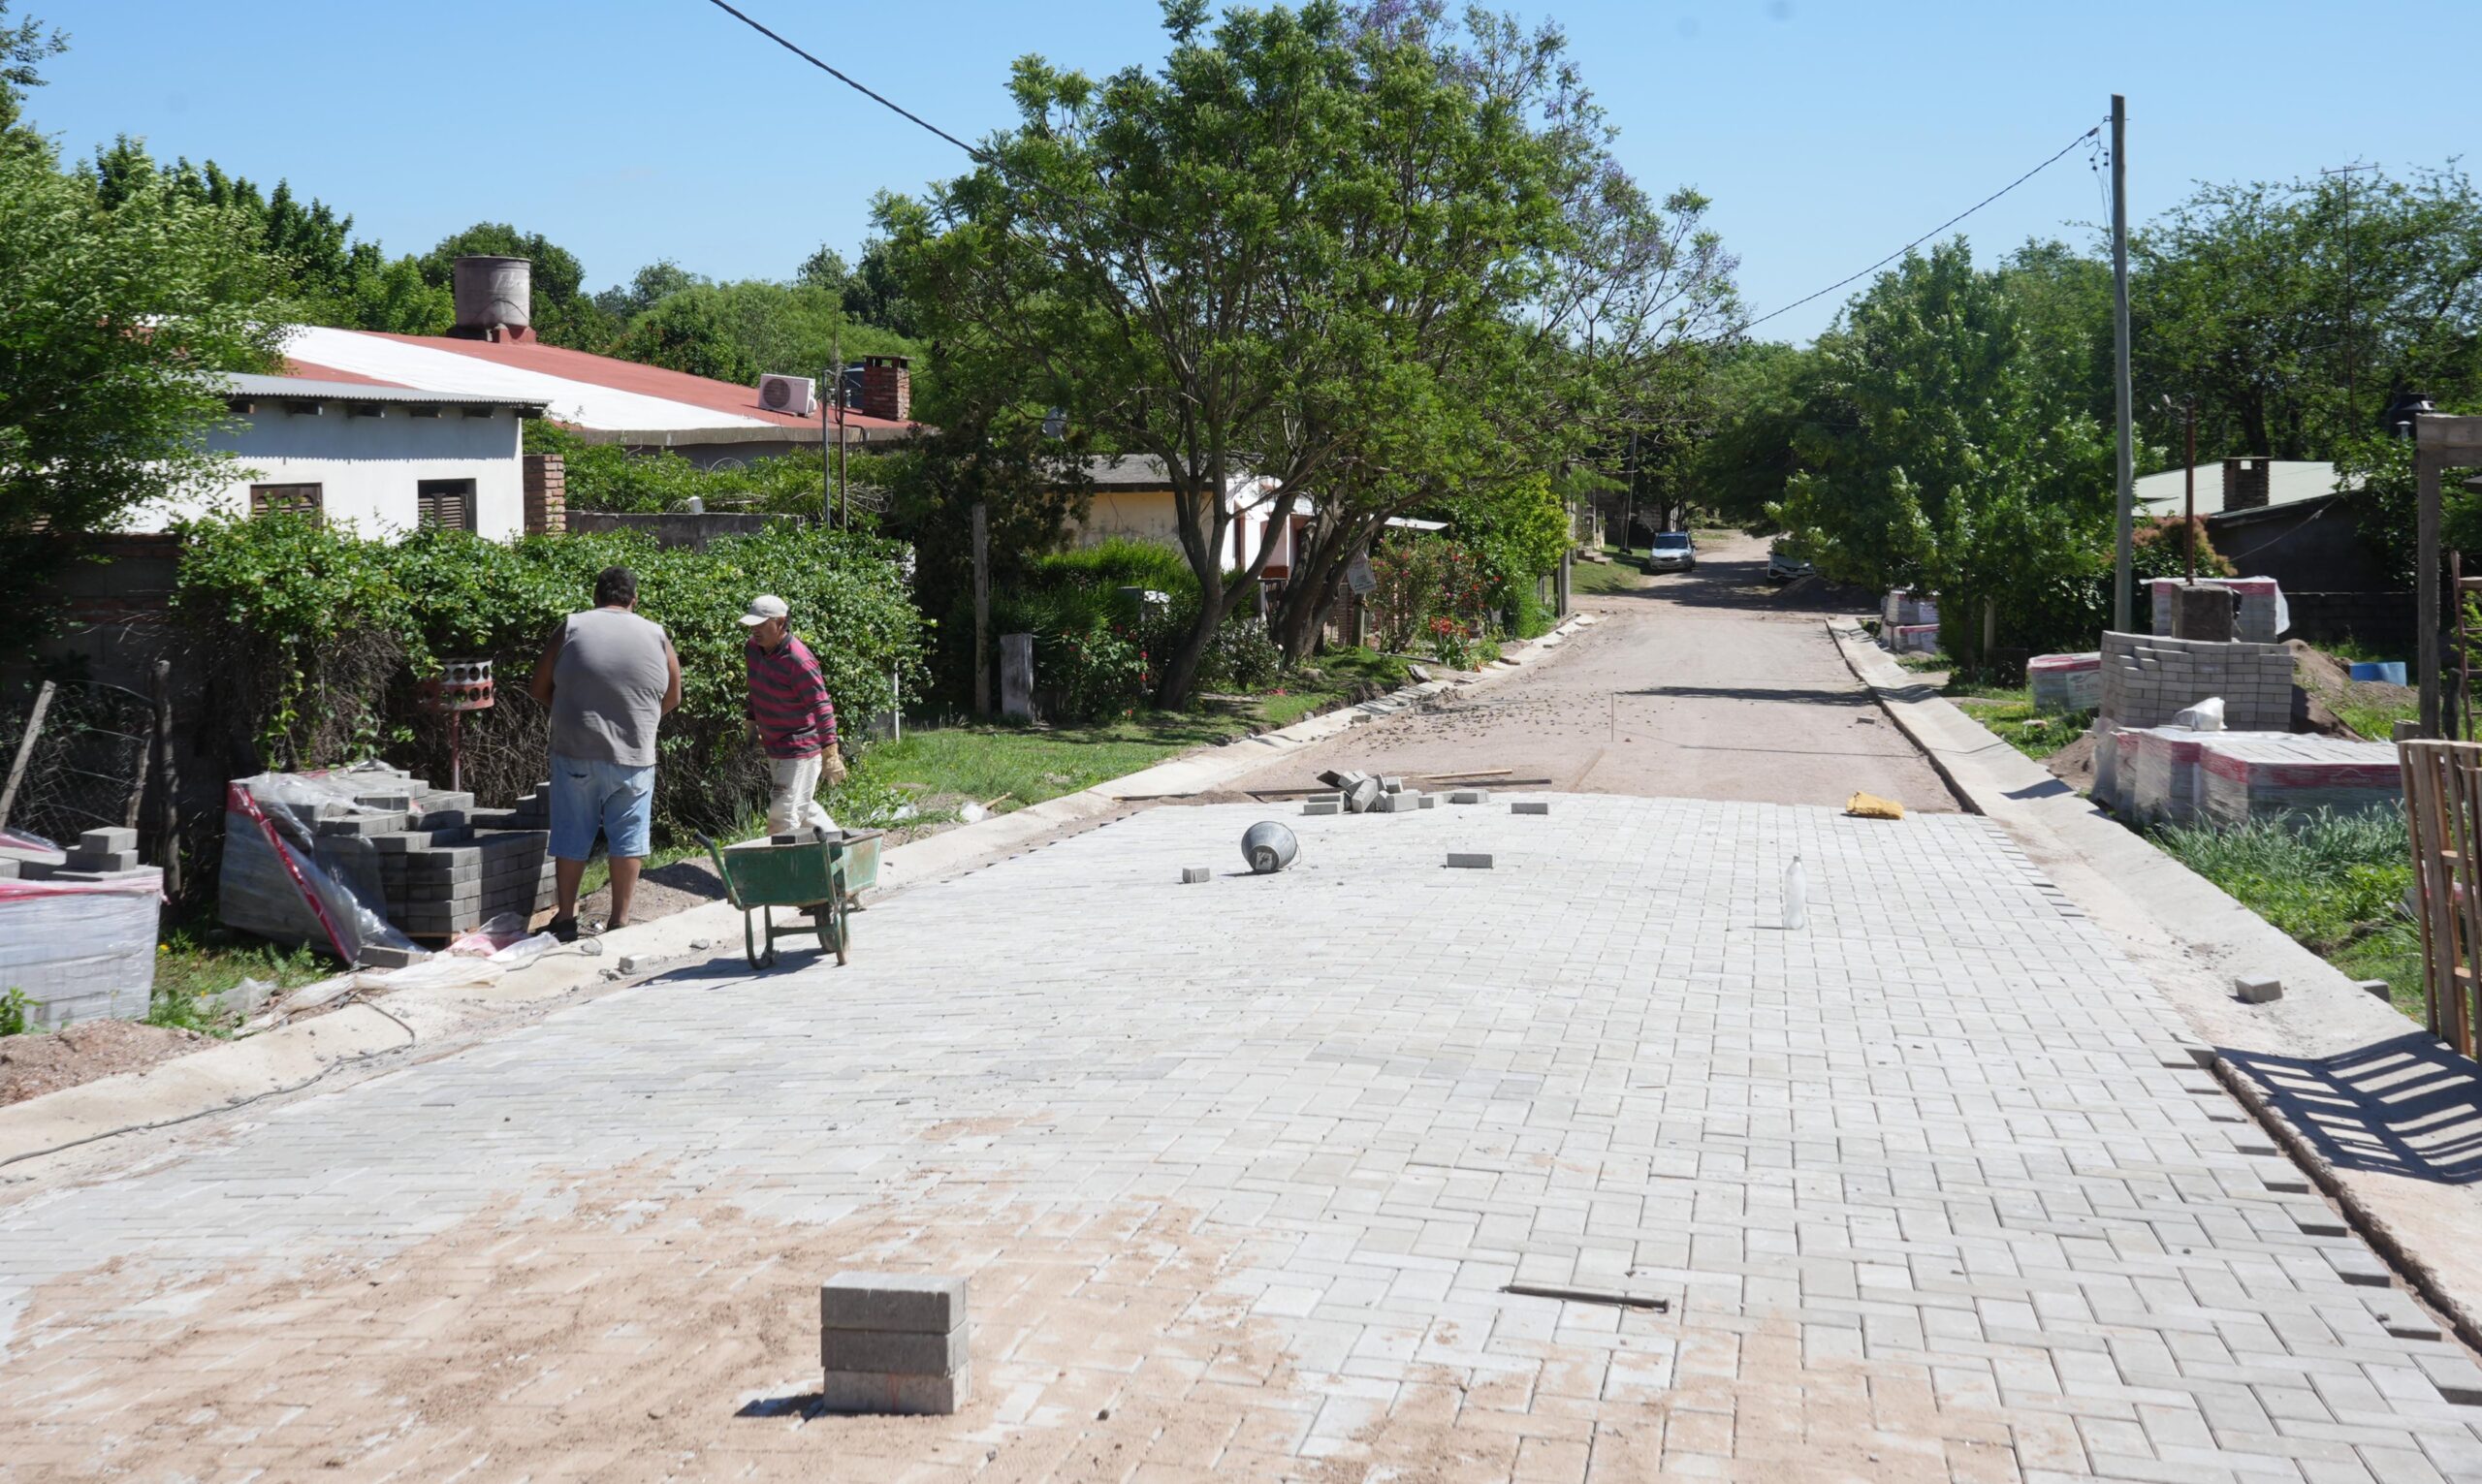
(306,370)
(631,376)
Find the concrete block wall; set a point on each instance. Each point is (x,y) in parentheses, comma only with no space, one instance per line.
(2147,681)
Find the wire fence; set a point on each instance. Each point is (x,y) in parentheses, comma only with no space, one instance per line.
(86,769)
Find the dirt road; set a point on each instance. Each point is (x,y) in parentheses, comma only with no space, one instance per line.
(1705,686)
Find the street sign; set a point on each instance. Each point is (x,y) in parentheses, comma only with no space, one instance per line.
(1364,581)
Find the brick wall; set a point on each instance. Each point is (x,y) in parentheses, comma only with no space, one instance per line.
(2148,680)
(547,492)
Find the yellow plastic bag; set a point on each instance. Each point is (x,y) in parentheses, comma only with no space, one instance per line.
(1872,806)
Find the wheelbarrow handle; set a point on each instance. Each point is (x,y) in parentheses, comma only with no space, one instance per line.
(732,893)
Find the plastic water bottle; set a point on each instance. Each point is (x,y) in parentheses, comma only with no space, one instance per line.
(1796,891)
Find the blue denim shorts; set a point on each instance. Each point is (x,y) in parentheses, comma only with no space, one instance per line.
(588,795)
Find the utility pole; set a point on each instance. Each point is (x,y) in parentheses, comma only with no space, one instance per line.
(2123,583)
(2352,300)
(836,379)
(1629,501)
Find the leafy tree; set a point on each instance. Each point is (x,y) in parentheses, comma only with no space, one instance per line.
(649,287)
(564,312)
(112,315)
(1946,457)
(740,331)
(324,276)
(869,288)
(2290,311)
(21,48)
(1312,252)
(1759,396)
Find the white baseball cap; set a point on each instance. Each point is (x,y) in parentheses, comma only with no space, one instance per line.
(762,607)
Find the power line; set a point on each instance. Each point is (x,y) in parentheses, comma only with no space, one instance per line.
(878,98)
(1925,236)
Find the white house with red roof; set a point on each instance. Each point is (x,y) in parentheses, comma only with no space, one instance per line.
(492,352)
(388,433)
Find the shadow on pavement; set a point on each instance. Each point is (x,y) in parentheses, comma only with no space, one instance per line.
(1809,696)
(2409,1107)
(1743,584)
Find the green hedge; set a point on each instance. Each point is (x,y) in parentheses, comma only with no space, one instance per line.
(315,638)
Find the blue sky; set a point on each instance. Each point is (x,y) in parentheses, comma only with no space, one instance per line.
(1827,134)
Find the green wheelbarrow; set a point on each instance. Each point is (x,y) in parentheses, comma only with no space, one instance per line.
(819,878)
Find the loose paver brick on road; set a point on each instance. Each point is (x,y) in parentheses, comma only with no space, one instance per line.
(1239,1179)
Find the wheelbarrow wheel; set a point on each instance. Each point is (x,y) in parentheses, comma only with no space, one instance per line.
(749,930)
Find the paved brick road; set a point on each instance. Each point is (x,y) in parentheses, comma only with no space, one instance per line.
(1241,1171)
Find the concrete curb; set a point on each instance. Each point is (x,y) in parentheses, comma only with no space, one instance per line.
(2191,938)
(292,1057)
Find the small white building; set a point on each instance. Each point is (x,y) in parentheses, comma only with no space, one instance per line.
(380,460)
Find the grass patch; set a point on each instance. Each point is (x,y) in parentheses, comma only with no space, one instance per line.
(196,960)
(2375,720)
(2010,716)
(1010,767)
(1918,663)
(2331,882)
(1621,576)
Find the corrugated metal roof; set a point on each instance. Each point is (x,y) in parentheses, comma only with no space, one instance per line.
(2288,482)
(305,389)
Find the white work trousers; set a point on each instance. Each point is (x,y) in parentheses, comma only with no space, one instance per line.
(793,795)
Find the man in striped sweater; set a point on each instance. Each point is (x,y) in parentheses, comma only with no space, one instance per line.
(796,721)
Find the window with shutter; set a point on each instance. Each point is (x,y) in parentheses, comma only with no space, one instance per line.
(301,499)
(448,503)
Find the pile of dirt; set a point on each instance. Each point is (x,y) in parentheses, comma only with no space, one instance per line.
(2074,764)
(40,1062)
(2326,683)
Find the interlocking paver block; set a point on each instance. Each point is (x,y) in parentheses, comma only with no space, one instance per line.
(919,1303)
(855,1392)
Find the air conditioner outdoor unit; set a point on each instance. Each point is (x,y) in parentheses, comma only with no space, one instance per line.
(794,395)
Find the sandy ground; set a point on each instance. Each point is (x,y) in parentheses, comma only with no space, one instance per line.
(1711,685)
(31,1066)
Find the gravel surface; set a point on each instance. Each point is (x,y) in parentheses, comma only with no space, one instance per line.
(1711,685)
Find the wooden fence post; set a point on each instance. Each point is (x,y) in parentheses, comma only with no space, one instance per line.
(168,785)
(25,752)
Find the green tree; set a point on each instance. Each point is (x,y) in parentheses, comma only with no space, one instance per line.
(649,287)
(23,47)
(564,312)
(869,288)
(114,316)
(2290,311)
(1941,456)
(323,277)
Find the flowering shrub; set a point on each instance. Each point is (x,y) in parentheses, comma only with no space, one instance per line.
(1424,580)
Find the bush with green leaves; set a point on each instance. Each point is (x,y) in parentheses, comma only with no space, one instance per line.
(319,637)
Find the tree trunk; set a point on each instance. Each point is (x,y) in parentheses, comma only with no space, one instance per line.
(1181,668)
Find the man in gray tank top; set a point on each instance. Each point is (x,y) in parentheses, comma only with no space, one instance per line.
(609,678)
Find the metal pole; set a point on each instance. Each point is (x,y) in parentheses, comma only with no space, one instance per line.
(2123,582)
(835,380)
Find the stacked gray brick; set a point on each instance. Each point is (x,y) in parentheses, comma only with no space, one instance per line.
(447,867)
(2148,680)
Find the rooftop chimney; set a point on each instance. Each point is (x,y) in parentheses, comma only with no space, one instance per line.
(2245,484)
(887,387)
(495,299)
